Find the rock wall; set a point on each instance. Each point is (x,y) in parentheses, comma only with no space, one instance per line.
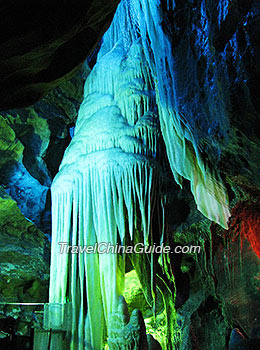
(32,143)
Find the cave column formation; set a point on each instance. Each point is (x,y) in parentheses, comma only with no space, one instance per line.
(108,178)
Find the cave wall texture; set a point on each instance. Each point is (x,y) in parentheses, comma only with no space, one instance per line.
(215,49)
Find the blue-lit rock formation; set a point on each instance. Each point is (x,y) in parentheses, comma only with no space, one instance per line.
(170,108)
(107,175)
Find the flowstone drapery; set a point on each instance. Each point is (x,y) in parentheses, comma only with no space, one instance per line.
(107,183)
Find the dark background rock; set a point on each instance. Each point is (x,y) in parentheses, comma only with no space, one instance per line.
(41,43)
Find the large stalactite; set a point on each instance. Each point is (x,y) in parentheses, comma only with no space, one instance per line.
(107,183)
(108,175)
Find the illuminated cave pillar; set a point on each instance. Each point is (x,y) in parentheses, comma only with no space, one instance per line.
(105,187)
(109,172)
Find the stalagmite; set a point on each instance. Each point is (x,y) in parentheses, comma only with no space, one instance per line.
(108,177)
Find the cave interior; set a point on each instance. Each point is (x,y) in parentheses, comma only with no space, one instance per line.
(132,125)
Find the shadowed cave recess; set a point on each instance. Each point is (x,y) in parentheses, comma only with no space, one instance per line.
(132,122)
